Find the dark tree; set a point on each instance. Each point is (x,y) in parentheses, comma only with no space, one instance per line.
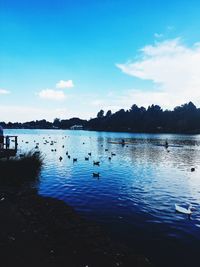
(108,114)
(100,114)
(56,122)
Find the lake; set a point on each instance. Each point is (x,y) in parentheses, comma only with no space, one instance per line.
(134,197)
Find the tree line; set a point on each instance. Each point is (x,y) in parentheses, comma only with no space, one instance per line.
(182,119)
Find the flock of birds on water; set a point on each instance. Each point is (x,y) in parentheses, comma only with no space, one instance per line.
(188,211)
(87,158)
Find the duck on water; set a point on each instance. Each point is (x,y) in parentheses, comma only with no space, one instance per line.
(188,211)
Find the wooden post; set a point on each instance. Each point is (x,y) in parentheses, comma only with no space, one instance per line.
(15,143)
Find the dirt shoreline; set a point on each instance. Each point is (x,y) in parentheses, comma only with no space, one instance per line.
(42,231)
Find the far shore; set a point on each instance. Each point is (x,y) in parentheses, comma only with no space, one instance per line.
(183,119)
(194,132)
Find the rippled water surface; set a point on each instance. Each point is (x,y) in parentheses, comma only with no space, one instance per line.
(135,195)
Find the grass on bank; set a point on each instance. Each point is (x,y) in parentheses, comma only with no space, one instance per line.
(20,169)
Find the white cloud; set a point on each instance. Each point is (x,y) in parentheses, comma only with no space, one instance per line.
(65,84)
(174,70)
(51,94)
(158,35)
(4,92)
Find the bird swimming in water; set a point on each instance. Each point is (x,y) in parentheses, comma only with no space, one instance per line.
(182,210)
(96,163)
(96,174)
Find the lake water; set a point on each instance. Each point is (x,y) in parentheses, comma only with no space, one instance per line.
(135,195)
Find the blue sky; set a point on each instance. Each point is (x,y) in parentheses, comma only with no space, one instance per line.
(72,58)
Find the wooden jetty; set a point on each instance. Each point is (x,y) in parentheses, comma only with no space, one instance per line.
(8,146)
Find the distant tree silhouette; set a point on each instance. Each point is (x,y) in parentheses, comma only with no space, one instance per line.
(183,119)
(108,114)
(100,114)
(56,122)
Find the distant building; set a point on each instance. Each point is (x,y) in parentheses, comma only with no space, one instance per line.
(76,127)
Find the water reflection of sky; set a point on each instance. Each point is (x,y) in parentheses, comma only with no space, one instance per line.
(137,189)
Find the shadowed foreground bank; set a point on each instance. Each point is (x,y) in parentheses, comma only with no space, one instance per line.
(38,231)
(18,170)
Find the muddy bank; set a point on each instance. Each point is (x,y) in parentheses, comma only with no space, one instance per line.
(41,231)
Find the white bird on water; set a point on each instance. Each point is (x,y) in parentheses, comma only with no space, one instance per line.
(184,210)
